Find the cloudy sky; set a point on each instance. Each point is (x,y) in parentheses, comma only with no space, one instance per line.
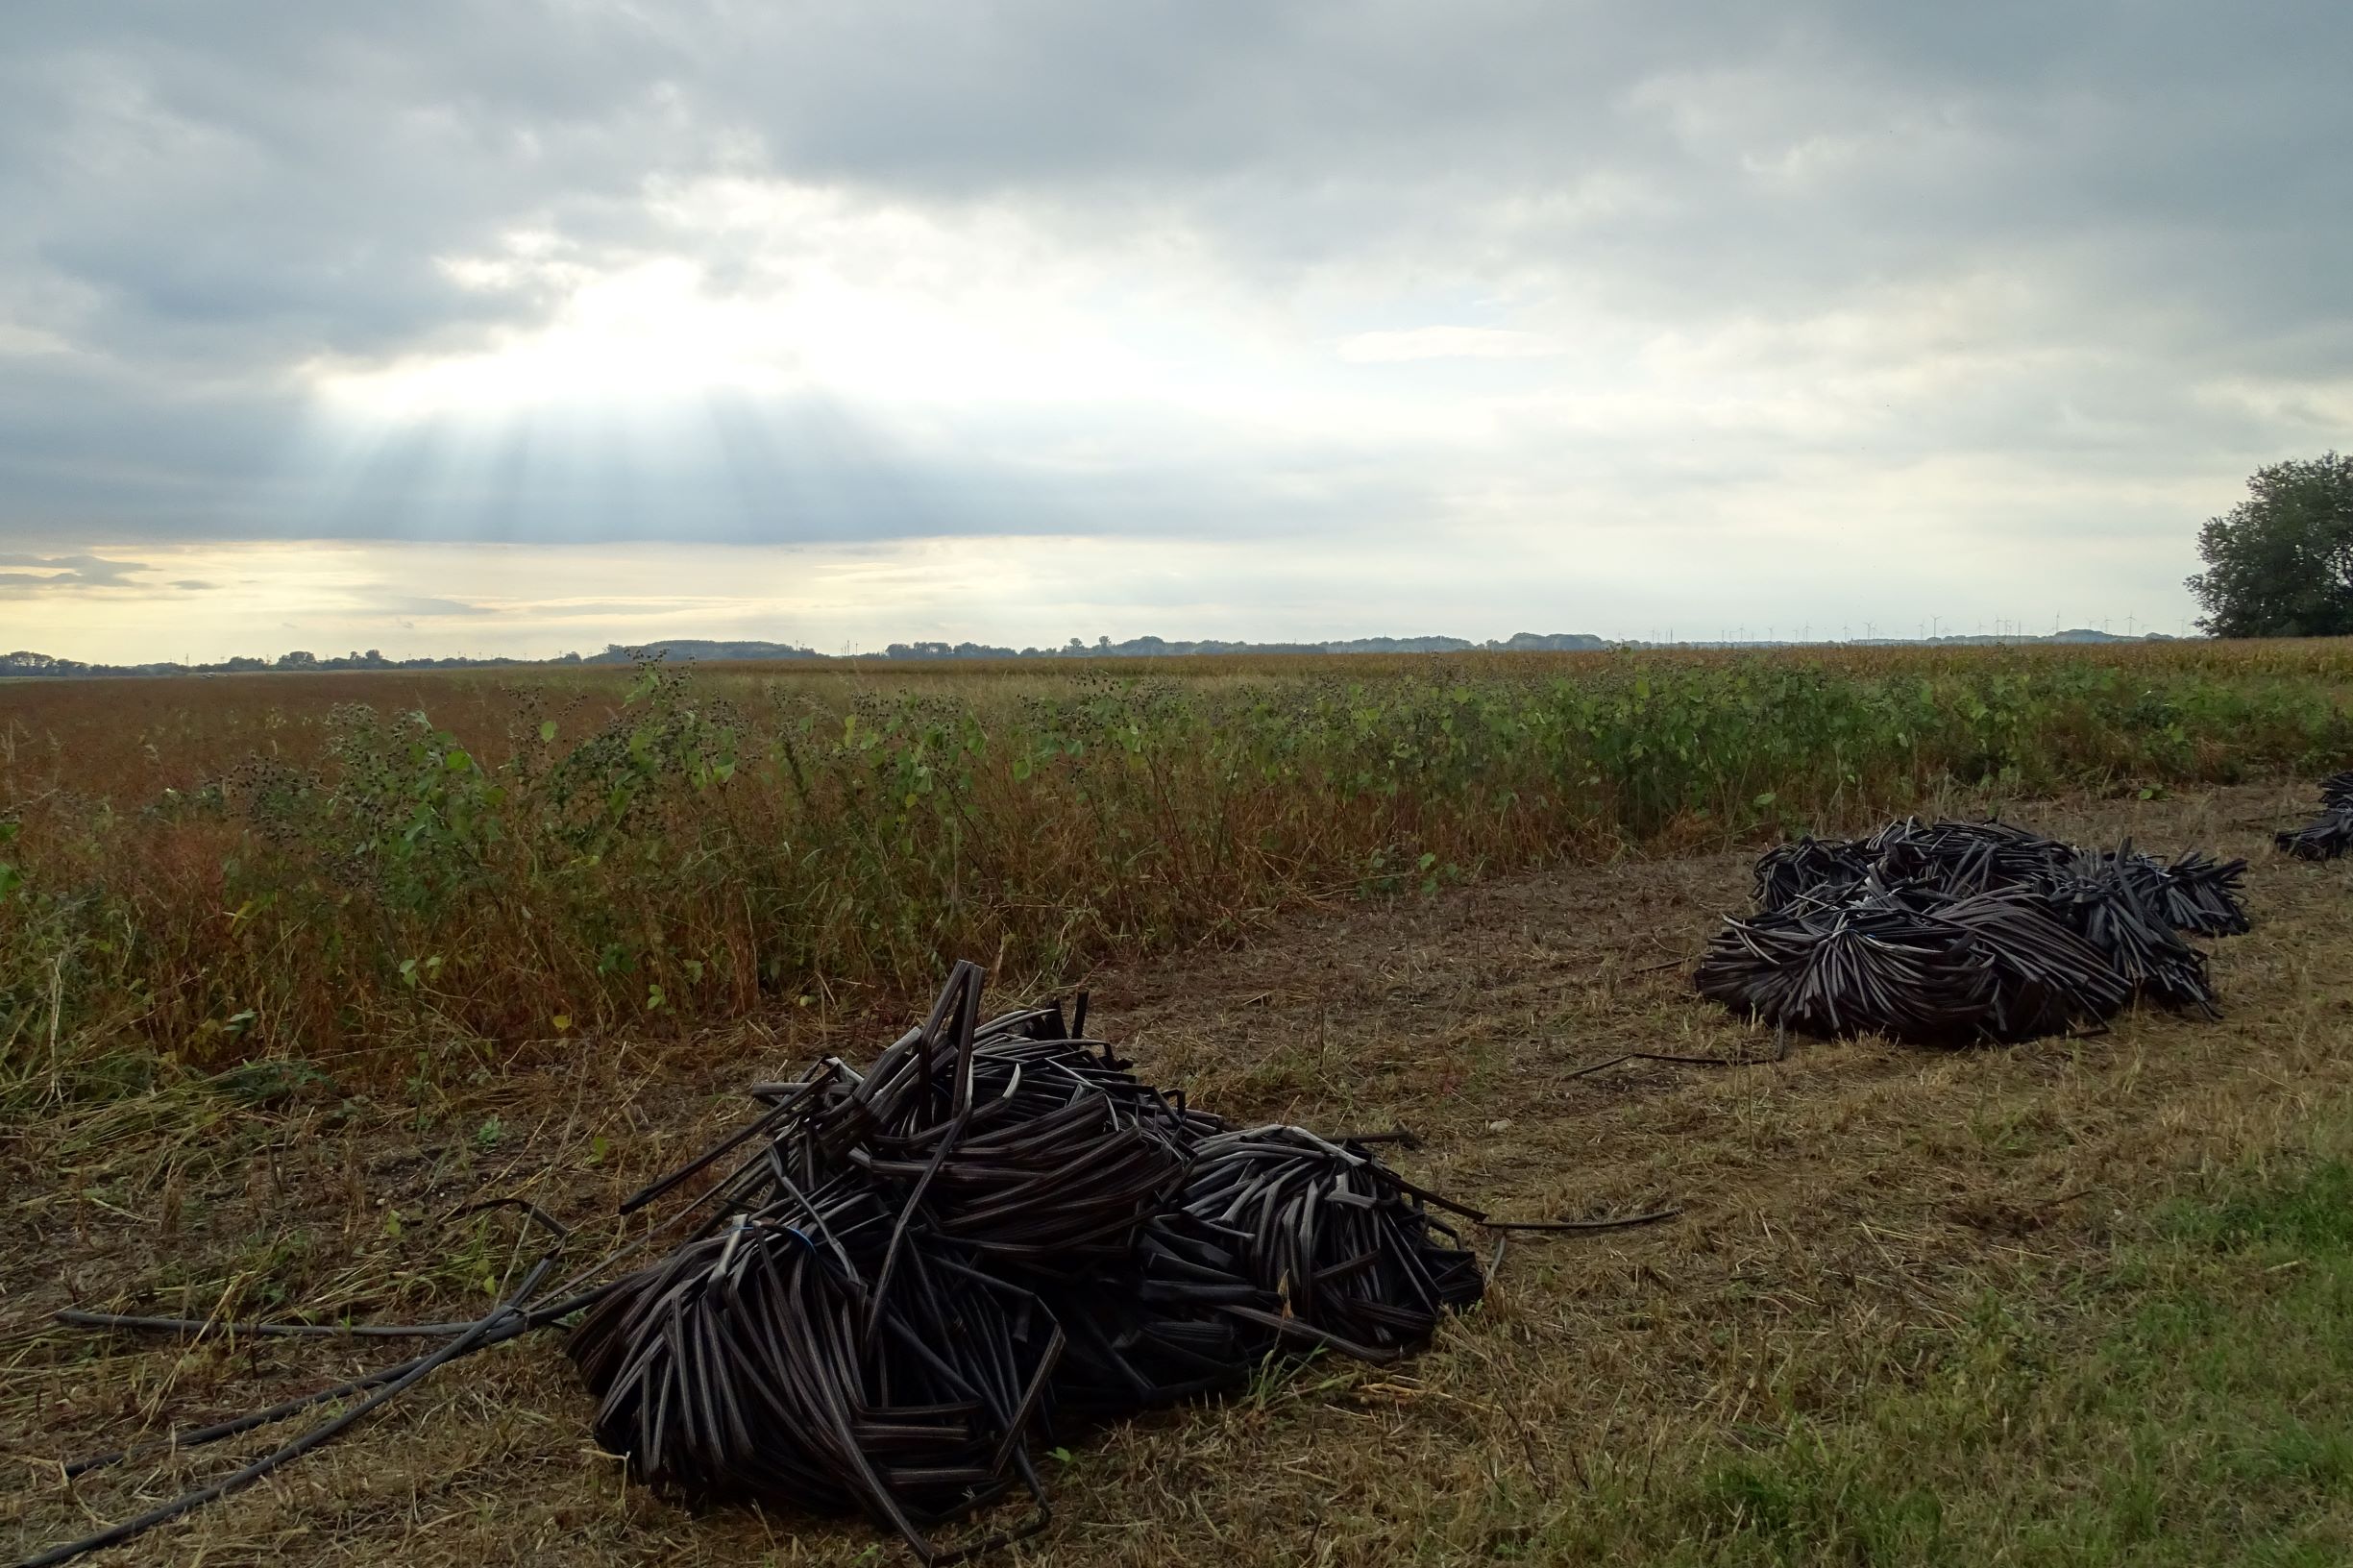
(443,327)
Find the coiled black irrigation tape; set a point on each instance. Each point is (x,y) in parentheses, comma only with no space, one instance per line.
(907,1278)
(1953,932)
(2329,835)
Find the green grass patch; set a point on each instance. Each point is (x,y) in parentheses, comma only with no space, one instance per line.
(2189,1404)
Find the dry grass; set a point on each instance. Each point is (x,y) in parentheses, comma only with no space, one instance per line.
(1852,1215)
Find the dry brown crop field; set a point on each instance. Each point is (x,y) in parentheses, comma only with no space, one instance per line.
(2081,1301)
(431,875)
(133,736)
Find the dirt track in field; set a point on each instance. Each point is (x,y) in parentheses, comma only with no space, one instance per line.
(1842,1209)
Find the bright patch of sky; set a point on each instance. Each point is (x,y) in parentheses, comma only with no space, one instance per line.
(439,329)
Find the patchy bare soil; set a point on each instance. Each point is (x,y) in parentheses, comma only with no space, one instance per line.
(1844,1209)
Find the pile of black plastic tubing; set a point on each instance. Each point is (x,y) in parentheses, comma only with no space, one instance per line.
(891,1285)
(991,1234)
(2329,835)
(1954,932)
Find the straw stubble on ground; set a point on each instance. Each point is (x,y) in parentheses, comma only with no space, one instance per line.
(1852,1214)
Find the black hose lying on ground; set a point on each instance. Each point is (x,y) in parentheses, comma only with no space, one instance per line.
(895,1282)
(989,1234)
(1953,932)
(2329,835)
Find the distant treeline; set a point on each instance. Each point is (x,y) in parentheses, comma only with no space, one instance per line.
(1135,648)
(24,662)
(705,649)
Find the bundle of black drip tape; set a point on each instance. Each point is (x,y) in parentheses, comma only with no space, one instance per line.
(1954,932)
(917,1273)
(2329,835)
(889,1287)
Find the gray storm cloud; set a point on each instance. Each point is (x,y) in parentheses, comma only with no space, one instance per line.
(1817,245)
(61,574)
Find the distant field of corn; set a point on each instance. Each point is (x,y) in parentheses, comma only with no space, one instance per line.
(364,867)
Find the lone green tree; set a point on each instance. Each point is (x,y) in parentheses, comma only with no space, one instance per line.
(2280,563)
